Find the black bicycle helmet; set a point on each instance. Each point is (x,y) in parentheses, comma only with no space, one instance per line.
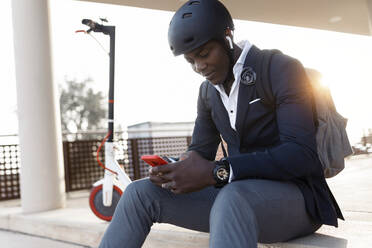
(196,23)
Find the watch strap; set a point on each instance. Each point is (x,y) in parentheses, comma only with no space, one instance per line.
(221,172)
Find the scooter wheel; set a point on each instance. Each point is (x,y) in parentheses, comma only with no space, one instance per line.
(96,202)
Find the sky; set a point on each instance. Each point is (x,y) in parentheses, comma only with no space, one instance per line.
(153,85)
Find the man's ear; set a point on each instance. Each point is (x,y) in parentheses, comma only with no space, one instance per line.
(229,32)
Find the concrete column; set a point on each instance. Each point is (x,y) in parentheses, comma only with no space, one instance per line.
(42,177)
(369,6)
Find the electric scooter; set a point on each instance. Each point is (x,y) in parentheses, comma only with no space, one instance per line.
(107,191)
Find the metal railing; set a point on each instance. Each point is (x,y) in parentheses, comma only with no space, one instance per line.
(82,170)
(80,165)
(9,172)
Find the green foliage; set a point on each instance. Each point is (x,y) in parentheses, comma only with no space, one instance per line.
(82,109)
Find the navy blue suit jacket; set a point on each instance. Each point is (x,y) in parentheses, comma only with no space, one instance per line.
(275,144)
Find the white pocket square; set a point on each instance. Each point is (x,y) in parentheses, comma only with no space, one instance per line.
(255,100)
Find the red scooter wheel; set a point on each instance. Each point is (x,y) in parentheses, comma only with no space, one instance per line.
(96,202)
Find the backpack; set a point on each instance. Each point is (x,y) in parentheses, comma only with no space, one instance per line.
(331,138)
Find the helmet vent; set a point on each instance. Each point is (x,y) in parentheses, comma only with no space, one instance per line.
(194,3)
(188,40)
(187,15)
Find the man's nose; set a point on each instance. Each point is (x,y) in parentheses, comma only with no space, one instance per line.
(200,66)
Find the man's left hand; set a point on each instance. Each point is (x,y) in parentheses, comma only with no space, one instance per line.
(191,174)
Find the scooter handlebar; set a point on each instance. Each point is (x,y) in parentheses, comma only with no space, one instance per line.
(88,22)
(94,26)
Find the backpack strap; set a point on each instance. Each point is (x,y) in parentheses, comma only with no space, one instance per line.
(264,87)
(223,147)
(205,94)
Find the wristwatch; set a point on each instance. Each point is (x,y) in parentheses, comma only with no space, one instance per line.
(221,172)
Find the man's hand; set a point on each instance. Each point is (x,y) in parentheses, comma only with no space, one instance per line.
(191,174)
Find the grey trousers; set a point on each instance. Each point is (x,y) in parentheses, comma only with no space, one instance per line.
(240,214)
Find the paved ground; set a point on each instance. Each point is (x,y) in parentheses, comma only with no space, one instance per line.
(18,240)
(76,223)
(353,186)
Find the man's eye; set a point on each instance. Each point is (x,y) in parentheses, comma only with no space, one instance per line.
(204,53)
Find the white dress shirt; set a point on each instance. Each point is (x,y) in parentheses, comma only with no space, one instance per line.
(231,101)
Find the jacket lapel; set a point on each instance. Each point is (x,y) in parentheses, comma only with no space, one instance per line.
(246,92)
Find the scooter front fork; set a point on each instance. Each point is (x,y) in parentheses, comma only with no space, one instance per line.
(108,183)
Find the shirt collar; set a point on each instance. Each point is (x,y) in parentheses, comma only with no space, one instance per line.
(246,46)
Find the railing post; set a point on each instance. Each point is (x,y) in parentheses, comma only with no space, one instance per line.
(66,159)
(188,140)
(135,159)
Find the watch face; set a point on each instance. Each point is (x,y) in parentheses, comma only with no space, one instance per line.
(222,174)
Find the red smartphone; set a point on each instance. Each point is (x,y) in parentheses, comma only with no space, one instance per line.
(154,160)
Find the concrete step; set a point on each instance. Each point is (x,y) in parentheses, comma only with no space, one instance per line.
(78,225)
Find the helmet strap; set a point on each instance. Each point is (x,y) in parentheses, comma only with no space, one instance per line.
(230,54)
(230,74)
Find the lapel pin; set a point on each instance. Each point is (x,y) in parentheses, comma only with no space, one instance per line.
(248,76)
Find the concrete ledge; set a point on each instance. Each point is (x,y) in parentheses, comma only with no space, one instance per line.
(78,225)
(62,224)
